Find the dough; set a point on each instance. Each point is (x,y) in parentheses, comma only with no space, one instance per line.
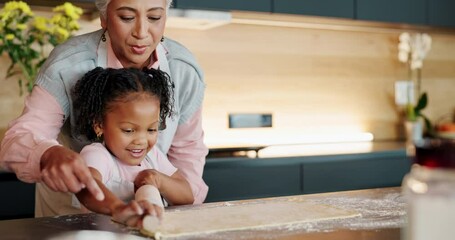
(230,217)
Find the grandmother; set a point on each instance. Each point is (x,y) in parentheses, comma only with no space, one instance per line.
(131,36)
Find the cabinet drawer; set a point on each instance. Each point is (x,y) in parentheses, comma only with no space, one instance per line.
(18,198)
(250,5)
(441,13)
(235,183)
(353,174)
(329,8)
(401,11)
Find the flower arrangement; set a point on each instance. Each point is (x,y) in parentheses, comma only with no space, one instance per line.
(413,48)
(24,37)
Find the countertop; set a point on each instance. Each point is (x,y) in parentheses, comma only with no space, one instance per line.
(316,149)
(381,217)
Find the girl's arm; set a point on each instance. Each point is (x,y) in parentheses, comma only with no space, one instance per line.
(129,214)
(175,189)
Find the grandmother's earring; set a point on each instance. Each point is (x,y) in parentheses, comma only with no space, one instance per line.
(103,37)
(162,39)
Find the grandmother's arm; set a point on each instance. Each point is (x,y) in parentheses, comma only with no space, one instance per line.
(31,150)
(30,135)
(187,153)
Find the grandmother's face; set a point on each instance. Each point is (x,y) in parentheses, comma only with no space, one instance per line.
(135,28)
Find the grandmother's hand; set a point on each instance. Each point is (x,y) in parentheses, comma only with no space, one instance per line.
(64,170)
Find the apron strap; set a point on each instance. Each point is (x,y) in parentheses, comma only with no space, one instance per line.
(162,59)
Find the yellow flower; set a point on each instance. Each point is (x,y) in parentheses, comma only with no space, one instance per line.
(10,36)
(21,26)
(26,35)
(4,16)
(25,8)
(40,23)
(20,6)
(69,10)
(73,25)
(61,34)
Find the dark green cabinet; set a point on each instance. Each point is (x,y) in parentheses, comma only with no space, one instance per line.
(420,12)
(249,5)
(441,13)
(398,11)
(328,8)
(244,178)
(340,173)
(18,198)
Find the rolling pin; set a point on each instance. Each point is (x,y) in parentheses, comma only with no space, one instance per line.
(150,193)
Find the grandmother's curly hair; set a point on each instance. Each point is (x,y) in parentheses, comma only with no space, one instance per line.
(97,91)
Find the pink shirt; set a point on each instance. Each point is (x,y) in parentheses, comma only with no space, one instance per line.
(36,130)
(98,157)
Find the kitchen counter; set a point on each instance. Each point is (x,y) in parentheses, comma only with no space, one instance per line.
(295,150)
(381,217)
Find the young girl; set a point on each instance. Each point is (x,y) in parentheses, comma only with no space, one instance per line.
(122,111)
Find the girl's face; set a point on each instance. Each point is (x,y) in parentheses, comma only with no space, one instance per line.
(135,28)
(130,128)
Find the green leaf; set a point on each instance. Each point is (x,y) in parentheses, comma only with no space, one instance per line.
(423,101)
(430,129)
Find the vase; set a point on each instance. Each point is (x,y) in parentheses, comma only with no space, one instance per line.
(414,132)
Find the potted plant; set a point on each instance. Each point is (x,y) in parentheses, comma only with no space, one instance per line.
(413,49)
(24,36)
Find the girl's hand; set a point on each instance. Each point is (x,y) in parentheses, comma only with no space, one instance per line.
(151,209)
(131,214)
(148,176)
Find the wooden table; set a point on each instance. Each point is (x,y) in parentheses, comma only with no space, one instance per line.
(382,216)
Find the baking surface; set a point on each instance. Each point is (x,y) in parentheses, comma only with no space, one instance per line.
(254,215)
(382,213)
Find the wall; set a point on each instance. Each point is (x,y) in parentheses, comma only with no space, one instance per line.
(314,80)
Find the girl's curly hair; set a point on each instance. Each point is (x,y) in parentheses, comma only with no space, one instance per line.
(99,89)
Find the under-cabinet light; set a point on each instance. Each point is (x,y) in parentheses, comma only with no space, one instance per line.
(268,138)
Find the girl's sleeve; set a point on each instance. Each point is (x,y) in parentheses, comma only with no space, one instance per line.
(30,135)
(97,157)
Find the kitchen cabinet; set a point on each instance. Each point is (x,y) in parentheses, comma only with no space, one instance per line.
(440,13)
(398,11)
(244,178)
(18,198)
(234,178)
(354,171)
(420,12)
(328,8)
(250,5)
